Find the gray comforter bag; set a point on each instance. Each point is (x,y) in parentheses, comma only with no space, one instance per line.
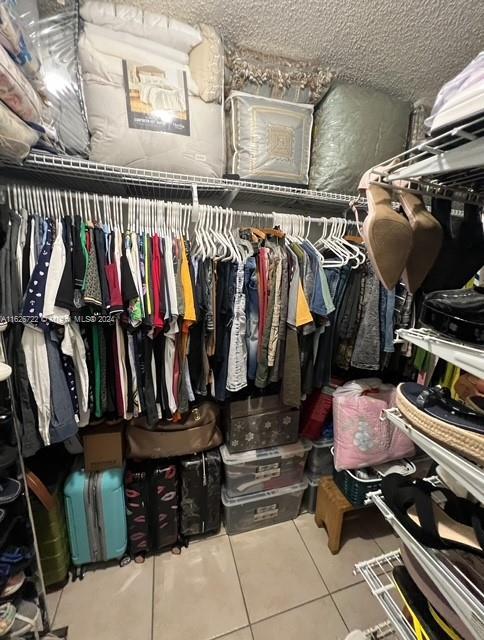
(355,128)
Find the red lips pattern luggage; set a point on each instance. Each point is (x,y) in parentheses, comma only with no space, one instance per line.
(152,506)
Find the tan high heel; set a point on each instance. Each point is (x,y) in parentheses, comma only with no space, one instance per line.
(387,234)
(427,239)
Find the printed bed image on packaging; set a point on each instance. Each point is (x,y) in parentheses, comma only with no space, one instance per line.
(156,98)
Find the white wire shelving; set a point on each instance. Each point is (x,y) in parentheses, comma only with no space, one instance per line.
(80,174)
(465,598)
(377,573)
(383,631)
(463,355)
(466,473)
(449,165)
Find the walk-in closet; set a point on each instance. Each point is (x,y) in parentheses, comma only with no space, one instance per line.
(241,320)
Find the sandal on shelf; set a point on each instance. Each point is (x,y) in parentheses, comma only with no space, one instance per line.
(9,490)
(387,234)
(14,583)
(426,240)
(423,623)
(442,420)
(457,525)
(7,618)
(28,619)
(470,390)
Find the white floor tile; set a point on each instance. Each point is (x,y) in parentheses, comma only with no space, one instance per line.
(241,634)
(275,569)
(197,594)
(317,620)
(359,608)
(53,600)
(109,604)
(337,570)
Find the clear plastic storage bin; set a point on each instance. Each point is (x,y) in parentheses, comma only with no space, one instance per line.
(320,458)
(311,494)
(262,509)
(264,469)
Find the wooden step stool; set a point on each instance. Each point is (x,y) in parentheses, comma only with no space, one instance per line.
(331,507)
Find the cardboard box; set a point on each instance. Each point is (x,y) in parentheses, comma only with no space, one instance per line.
(103,447)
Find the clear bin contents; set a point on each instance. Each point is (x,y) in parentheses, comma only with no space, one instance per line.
(311,494)
(264,469)
(262,509)
(320,457)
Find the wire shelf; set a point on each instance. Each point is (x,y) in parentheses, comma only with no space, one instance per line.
(449,165)
(383,631)
(377,573)
(75,173)
(461,354)
(466,473)
(462,595)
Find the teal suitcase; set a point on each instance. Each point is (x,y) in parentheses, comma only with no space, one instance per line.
(96,516)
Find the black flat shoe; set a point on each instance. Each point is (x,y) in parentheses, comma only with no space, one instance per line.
(458,525)
(457,313)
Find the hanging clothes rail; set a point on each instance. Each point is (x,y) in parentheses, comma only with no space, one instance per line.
(80,202)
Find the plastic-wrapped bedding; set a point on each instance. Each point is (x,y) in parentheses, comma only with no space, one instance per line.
(355,128)
(57,36)
(144,107)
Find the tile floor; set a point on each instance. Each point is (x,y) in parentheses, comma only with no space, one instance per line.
(279,582)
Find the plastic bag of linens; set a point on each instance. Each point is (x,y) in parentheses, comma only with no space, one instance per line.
(363,437)
(153,88)
(51,29)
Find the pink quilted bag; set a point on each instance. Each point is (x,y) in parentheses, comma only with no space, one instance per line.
(361,437)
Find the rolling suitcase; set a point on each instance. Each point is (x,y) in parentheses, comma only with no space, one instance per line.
(137,492)
(96,516)
(151,506)
(200,493)
(164,505)
(50,528)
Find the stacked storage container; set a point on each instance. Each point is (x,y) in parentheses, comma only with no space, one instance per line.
(263,464)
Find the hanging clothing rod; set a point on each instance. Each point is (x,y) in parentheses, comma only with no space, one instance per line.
(44,198)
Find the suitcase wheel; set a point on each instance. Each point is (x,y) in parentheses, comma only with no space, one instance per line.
(125,560)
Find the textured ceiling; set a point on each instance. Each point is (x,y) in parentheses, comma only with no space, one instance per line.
(406,47)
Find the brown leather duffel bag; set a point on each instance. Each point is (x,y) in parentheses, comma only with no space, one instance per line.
(199,431)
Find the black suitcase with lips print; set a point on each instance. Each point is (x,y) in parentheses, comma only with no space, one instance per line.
(152,506)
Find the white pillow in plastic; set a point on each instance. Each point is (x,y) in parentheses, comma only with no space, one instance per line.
(270,139)
(130,19)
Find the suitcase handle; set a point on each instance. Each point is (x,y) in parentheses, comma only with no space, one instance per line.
(37,487)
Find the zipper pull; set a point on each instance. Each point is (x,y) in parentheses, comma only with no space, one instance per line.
(204,471)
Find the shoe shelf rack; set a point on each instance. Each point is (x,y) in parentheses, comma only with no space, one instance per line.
(78,174)
(449,165)
(465,598)
(461,354)
(377,573)
(466,473)
(383,631)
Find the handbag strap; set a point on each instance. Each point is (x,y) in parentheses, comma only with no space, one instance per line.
(38,488)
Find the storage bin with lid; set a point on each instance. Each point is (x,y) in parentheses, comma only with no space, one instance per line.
(264,469)
(262,509)
(320,457)
(258,423)
(311,494)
